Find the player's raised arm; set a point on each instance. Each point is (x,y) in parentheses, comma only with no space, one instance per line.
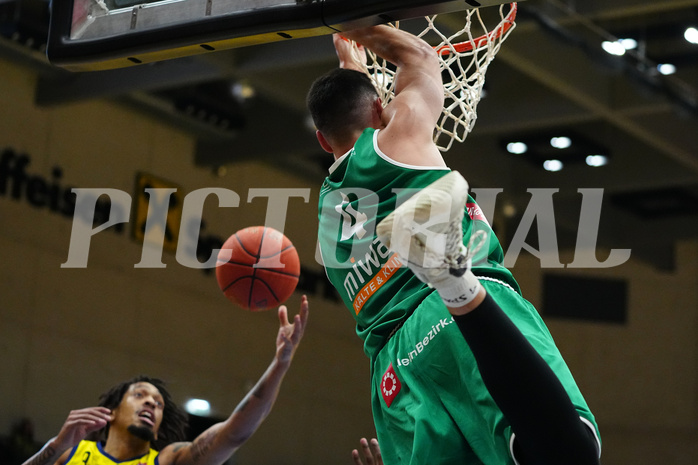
(215,445)
(410,118)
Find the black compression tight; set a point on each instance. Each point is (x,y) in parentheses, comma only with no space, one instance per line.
(547,426)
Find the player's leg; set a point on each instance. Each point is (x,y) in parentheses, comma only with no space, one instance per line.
(529,381)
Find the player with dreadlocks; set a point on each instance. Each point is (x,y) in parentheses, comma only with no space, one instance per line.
(137,421)
(174,420)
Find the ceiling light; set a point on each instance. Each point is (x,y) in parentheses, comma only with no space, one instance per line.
(517,148)
(596,160)
(198,407)
(561,142)
(666,69)
(553,149)
(509,210)
(691,35)
(242,91)
(552,165)
(628,44)
(613,48)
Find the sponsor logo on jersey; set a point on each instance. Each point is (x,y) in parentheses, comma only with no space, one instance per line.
(475,212)
(386,272)
(433,332)
(368,274)
(352,221)
(390,385)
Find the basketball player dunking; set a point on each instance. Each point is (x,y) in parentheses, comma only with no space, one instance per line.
(463,368)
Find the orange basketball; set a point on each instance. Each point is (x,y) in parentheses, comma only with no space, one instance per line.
(258,268)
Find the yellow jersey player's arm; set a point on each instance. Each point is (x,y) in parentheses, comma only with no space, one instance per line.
(215,445)
(79,424)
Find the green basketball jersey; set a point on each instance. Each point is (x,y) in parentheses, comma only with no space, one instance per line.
(362,188)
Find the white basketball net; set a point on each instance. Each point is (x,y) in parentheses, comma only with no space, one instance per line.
(465,56)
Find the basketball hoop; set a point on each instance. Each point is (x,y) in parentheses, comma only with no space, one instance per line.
(464,61)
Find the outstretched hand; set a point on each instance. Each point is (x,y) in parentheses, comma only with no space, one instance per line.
(80,423)
(290,334)
(351,55)
(371,451)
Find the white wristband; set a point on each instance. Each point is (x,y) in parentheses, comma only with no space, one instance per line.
(460,291)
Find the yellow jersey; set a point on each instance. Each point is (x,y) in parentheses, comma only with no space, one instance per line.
(92,453)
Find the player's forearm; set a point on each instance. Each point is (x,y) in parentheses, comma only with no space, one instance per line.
(256,405)
(215,445)
(47,455)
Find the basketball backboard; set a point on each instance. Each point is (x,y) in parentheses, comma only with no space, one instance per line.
(88,35)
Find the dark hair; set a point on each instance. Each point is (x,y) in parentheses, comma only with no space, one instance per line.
(337,101)
(174,420)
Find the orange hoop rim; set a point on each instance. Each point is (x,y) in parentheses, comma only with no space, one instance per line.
(501,29)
